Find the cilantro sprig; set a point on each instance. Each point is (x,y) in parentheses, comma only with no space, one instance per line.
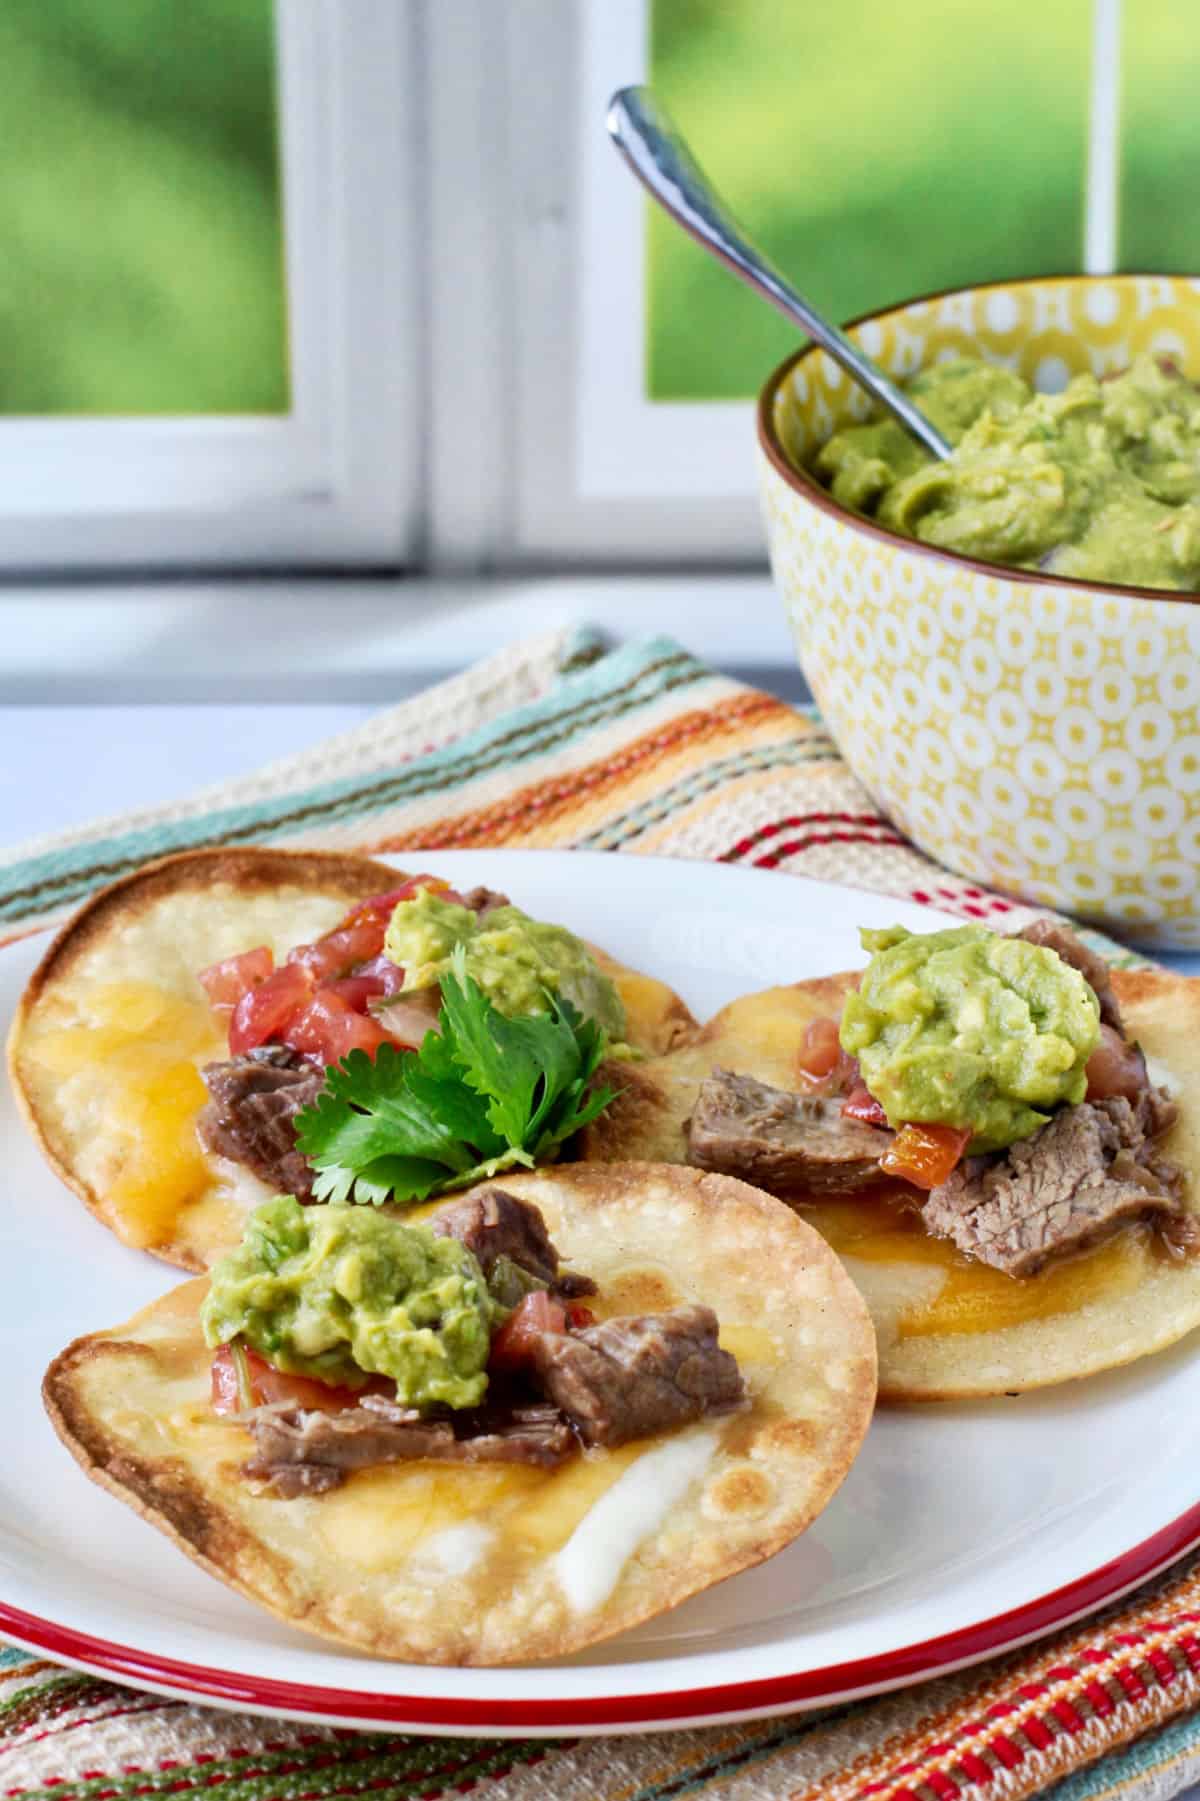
(482,1094)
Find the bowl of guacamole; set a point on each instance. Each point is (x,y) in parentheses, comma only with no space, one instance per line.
(1100,481)
(1006,645)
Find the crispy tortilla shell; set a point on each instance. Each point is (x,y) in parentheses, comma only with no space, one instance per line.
(444,1564)
(111,1033)
(949,1328)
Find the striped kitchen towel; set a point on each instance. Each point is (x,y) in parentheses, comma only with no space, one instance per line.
(641,749)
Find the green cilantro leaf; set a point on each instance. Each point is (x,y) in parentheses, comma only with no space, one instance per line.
(483,1094)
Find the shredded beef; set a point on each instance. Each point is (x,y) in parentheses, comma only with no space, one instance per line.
(484,901)
(744,1127)
(305,1452)
(255,1099)
(1089,1170)
(288,1480)
(494,1224)
(1090,964)
(628,1377)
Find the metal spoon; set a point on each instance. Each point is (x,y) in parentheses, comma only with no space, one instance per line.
(657,154)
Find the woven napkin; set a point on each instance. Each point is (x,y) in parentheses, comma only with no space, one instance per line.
(644,750)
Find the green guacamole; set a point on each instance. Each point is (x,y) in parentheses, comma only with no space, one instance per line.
(514,958)
(342,1293)
(1101,481)
(964,1028)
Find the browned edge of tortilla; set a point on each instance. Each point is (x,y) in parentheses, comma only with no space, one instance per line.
(249,870)
(165,1495)
(168,1496)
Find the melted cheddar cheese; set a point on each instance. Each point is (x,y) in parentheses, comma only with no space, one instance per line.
(137,1046)
(886,1227)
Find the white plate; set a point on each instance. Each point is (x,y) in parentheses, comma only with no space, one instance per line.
(960,1530)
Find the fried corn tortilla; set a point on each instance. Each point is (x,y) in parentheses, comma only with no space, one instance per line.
(948,1326)
(502,1563)
(112,1031)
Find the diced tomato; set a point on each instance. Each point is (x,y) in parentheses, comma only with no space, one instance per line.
(1115,1067)
(924,1155)
(263,1011)
(303,1391)
(338,952)
(327,1027)
(225,983)
(356,991)
(389,975)
(513,1344)
(820,1052)
(579,1316)
(861,1104)
(824,1067)
(231,1387)
(382,906)
(257,1383)
(356,1032)
(384,971)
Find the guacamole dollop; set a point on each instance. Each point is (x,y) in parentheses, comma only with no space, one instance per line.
(1101,481)
(964,1028)
(515,959)
(343,1292)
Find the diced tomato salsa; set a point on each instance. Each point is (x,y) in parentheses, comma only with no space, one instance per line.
(318,1000)
(825,1068)
(513,1344)
(241,1379)
(924,1155)
(330,1028)
(821,1049)
(381,906)
(861,1104)
(340,950)
(262,1012)
(389,975)
(225,983)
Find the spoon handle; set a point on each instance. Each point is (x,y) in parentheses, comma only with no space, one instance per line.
(658,156)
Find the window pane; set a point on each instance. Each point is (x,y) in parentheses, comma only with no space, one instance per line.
(878,151)
(141,237)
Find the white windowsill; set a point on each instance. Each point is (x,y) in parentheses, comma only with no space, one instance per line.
(295,639)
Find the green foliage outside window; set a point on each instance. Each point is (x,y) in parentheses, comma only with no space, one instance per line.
(878,151)
(141,237)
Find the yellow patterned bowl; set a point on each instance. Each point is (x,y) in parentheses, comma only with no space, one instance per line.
(1037,734)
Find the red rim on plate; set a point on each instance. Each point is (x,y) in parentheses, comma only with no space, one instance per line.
(795,1689)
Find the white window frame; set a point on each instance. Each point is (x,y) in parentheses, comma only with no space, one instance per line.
(337,480)
(566,463)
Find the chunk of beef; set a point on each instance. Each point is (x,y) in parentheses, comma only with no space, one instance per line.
(1054,936)
(628,1377)
(1088,1171)
(494,1224)
(744,1127)
(484,901)
(255,1099)
(1116,1067)
(1151,1113)
(305,1452)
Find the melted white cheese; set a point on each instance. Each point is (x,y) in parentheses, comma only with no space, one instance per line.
(457,1549)
(240,1184)
(1161,1076)
(590,1563)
